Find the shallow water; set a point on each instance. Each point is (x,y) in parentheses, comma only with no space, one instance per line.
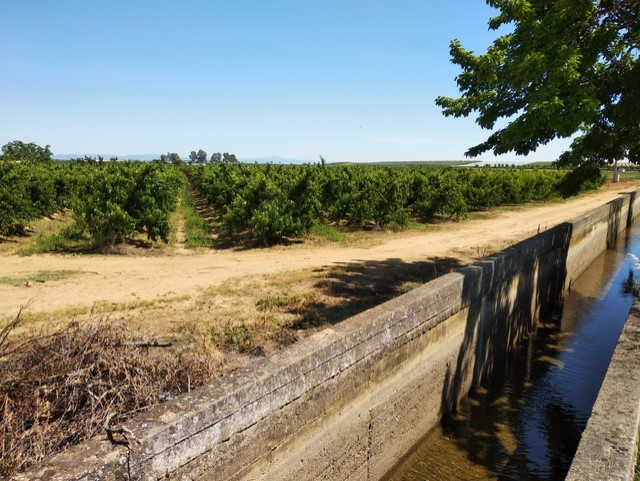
(526,421)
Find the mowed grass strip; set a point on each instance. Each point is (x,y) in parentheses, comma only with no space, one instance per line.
(197,230)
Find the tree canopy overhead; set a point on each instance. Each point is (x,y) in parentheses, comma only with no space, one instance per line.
(565,67)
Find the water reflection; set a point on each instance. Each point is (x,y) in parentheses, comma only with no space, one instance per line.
(525,422)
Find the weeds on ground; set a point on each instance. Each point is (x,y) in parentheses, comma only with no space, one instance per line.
(58,388)
(348,237)
(328,232)
(255,314)
(235,338)
(197,231)
(67,238)
(40,277)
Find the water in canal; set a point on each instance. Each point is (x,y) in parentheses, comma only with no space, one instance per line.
(525,422)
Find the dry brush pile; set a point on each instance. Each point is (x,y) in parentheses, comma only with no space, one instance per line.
(59,388)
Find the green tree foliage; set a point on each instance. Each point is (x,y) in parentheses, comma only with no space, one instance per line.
(115,201)
(564,67)
(14,199)
(216,157)
(229,158)
(441,195)
(199,157)
(111,200)
(18,150)
(171,158)
(269,202)
(30,191)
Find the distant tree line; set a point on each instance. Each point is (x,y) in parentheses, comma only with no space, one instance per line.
(199,157)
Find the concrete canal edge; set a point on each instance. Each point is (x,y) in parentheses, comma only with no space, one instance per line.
(609,443)
(350,401)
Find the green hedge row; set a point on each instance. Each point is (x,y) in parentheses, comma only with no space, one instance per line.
(31,191)
(119,200)
(111,200)
(274,201)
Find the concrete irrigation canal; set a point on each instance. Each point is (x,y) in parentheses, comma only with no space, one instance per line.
(526,420)
(478,368)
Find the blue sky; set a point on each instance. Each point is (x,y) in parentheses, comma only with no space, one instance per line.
(351,80)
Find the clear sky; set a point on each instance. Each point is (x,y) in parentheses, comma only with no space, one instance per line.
(351,80)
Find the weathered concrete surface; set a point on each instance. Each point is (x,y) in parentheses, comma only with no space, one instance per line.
(93,460)
(348,402)
(608,447)
(592,233)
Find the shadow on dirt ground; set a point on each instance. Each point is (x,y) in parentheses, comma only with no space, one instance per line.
(350,288)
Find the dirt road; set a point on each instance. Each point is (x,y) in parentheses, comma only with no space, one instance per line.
(122,278)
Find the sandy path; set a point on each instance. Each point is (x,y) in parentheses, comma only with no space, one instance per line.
(181,236)
(128,278)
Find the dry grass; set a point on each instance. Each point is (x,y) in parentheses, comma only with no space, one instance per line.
(57,388)
(41,277)
(261,314)
(35,232)
(62,374)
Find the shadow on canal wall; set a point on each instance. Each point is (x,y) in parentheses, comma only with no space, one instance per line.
(508,291)
(505,293)
(350,401)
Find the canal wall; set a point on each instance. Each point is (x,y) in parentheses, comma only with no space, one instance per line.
(609,444)
(350,401)
(594,232)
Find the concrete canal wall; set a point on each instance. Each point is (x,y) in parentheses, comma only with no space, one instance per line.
(348,402)
(609,444)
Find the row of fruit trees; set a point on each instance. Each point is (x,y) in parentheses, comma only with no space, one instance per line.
(112,201)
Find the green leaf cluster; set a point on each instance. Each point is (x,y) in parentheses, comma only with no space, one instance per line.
(271,202)
(30,191)
(564,67)
(119,200)
(23,152)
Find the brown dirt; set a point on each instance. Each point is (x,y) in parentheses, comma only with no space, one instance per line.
(139,278)
(180,234)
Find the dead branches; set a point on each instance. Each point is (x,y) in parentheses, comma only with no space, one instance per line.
(63,387)
(6,330)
